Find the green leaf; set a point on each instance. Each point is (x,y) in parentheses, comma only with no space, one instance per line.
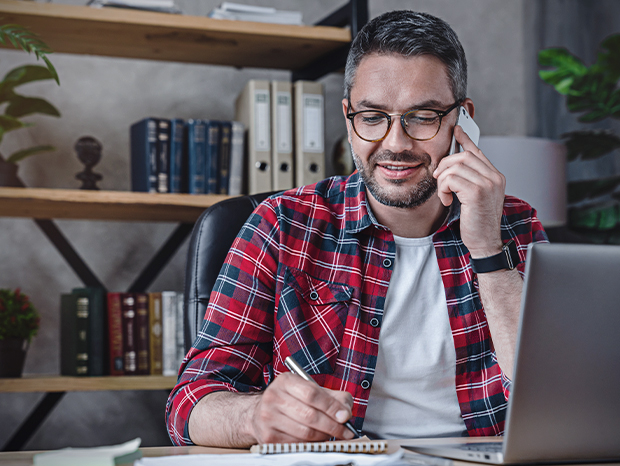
(610,57)
(594,115)
(590,144)
(8,123)
(580,190)
(561,58)
(26,74)
(22,154)
(21,106)
(21,37)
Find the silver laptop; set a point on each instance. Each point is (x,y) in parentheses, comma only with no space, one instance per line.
(565,400)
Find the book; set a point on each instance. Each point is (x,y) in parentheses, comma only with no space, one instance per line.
(239,12)
(212,156)
(355,446)
(128,308)
(179,337)
(163,155)
(73,334)
(141,333)
(143,141)
(253,109)
(169,308)
(237,160)
(97,350)
(177,152)
(195,143)
(281,136)
(155,336)
(115,334)
(309,132)
(224,157)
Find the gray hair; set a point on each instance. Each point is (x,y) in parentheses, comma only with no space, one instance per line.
(409,34)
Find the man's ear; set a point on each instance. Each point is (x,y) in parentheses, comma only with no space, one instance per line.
(469,106)
(345,108)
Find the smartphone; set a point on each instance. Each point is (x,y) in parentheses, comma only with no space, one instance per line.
(465,121)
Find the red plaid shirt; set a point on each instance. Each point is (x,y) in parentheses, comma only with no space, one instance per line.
(307,277)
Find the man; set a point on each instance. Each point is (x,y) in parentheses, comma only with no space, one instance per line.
(366,281)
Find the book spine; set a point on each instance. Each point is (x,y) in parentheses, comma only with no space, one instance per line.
(196,146)
(212,156)
(176,155)
(179,339)
(142,330)
(143,136)
(73,335)
(224,153)
(155,337)
(237,160)
(169,309)
(128,306)
(96,329)
(115,334)
(163,152)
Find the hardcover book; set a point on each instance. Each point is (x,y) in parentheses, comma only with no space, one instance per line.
(236,185)
(224,163)
(169,308)
(128,308)
(142,331)
(143,136)
(155,337)
(115,334)
(163,152)
(177,153)
(97,353)
(73,334)
(195,139)
(212,156)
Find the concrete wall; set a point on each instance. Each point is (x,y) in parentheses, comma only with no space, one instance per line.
(101,97)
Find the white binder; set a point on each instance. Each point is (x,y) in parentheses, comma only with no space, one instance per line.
(281,135)
(309,132)
(253,110)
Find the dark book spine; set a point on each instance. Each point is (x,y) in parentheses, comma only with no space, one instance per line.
(155,337)
(176,156)
(73,335)
(212,156)
(224,152)
(142,331)
(128,306)
(163,151)
(115,334)
(143,135)
(96,329)
(196,146)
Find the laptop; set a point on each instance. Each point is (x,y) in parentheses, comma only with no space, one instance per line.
(564,405)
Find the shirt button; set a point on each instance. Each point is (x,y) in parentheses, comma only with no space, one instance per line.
(365,384)
(314,295)
(387,263)
(374,322)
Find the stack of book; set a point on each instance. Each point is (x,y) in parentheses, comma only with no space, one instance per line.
(121,333)
(261,14)
(194,156)
(285,133)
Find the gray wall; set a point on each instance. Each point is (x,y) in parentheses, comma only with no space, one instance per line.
(103,96)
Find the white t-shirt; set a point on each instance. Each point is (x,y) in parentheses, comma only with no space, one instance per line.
(413,392)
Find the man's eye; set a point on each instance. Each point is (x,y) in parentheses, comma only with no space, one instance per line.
(372,119)
(422,118)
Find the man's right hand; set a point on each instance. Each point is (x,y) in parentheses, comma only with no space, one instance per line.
(294,410)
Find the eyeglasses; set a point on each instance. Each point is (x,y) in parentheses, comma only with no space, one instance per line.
(421,124)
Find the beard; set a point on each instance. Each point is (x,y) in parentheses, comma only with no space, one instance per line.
(395,195)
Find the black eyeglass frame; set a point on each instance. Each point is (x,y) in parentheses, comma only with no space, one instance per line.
(440,113)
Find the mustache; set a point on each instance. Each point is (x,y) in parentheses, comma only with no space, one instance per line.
(405,156)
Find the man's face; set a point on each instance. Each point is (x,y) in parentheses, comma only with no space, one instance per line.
(398,170)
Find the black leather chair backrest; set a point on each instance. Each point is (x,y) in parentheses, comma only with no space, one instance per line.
(213,234)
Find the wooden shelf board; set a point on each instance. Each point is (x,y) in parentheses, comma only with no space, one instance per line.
(86,384)
(103,205)
(160,36)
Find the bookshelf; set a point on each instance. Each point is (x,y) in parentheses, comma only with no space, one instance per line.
(308,51)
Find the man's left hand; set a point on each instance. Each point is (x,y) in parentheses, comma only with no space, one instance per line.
(480,188)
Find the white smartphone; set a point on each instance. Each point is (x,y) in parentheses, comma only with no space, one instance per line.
(465,121)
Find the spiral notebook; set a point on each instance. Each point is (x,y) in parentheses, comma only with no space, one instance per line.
(372,447)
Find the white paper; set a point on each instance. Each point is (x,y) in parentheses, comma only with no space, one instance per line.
(283,459)
(97,456)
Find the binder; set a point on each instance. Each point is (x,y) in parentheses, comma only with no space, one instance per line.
(281,135)
(253,110)
(309,132)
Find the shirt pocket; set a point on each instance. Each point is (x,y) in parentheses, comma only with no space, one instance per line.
(312,316)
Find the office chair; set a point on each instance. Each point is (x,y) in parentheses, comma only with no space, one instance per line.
(212,236)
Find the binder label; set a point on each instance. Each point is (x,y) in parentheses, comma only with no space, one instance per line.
(284,119)
(262,141)
(313,122)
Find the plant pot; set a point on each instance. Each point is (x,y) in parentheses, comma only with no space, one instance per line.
(12,357)
(8,174)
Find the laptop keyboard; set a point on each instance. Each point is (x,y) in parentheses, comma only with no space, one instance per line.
(489,447)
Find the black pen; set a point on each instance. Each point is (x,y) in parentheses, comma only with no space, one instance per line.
(298,370)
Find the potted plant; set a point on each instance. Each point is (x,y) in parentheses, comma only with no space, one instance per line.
(17,106)
(593,91)
(19,322)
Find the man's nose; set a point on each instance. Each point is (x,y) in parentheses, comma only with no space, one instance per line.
(397,139)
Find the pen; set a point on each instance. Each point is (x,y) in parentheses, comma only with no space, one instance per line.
(298,370)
